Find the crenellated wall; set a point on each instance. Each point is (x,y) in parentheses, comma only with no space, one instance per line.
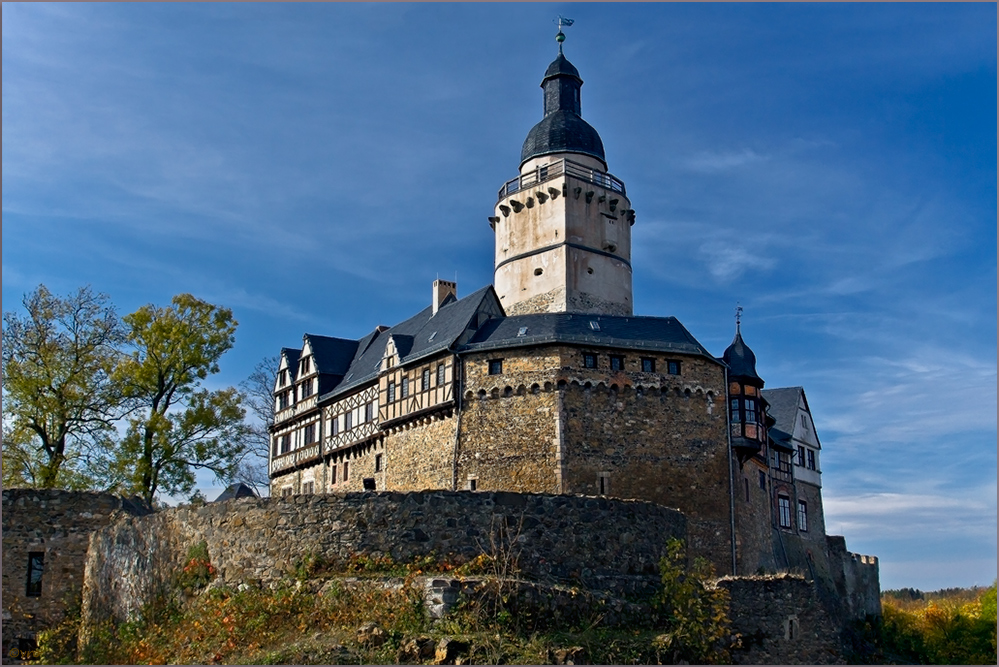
(590,541)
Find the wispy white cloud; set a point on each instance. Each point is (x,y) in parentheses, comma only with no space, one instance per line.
(713,161)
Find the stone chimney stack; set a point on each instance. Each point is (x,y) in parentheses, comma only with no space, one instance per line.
(443,288)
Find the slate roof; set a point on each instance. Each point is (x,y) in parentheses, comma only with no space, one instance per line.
(784,408)
(662,334)
(562,131)
(740,359)
(239,490)
(561,65)
(413,337)
(292,354)
(476,322)
(332,355)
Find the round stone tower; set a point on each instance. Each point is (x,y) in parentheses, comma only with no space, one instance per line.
(563,226)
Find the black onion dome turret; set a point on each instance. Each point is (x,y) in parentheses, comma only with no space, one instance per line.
(562,130)
(741,360)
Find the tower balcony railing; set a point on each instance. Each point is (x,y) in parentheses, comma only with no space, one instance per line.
(546,172)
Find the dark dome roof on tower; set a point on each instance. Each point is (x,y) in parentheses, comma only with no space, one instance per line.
(562,130)
(740,359)
(561,65)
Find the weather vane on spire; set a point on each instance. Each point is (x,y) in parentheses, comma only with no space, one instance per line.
(738,315)
(560,37)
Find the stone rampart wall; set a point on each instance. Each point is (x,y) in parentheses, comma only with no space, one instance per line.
(781,622)
(259,541)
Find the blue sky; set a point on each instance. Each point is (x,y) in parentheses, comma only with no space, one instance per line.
(315,166)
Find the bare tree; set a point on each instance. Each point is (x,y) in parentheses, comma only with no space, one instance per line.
(258,392)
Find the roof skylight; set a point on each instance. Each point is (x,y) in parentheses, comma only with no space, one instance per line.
(522,332)
(595,325)
(430,340)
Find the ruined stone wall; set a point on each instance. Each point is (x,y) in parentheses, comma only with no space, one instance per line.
(857,579)
(590,541)
(781,622)
(58,525)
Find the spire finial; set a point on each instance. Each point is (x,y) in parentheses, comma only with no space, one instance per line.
(560,37)
(738,317)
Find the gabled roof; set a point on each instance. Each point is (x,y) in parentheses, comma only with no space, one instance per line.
(424,334)
(292,355)
(332,355)
(661,334)
(239,490)
(783,407)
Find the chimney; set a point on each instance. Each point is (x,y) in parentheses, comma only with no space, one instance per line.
(443,288)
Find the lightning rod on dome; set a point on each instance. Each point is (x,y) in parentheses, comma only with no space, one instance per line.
(738,315)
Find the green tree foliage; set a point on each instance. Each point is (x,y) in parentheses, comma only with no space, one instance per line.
(695,613)
(949,629)
(59,401)
(180,426)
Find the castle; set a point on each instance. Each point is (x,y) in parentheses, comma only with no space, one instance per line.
(546,381)
(544,384)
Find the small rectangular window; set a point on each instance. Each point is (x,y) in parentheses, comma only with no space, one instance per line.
(286,443)
(307,389)
(333,475)
(802,516)
(369,411)
(405,387)
(310,434)
(378,462)
(335,425)
(36,565)
(734,405)
(746,484)
(369,484)
(440,375)
(348,421)
(284,378)
(763,480)
(346,471)
(673,367)
(286,491)
(391,392)
(283,400)
(589,361)
(784,511)
(274,446)
(616,363)
(473,484)
(750,406)
(496,367)
(425,380)
(309,488)
(801,456)
(648,365)
(603,484)
(811,459)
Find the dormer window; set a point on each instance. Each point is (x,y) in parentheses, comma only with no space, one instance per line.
(305,366)
(307,389)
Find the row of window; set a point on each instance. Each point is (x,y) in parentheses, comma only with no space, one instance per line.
(616,362)
(806,457)
(784,513)
(368,414)
(745,410)
(404,384)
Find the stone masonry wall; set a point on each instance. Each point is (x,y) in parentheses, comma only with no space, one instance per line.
(420,456)
(580,539)
(781,622)
(57,524)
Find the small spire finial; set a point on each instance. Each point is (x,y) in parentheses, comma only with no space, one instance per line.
(738,317)
(560,37)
